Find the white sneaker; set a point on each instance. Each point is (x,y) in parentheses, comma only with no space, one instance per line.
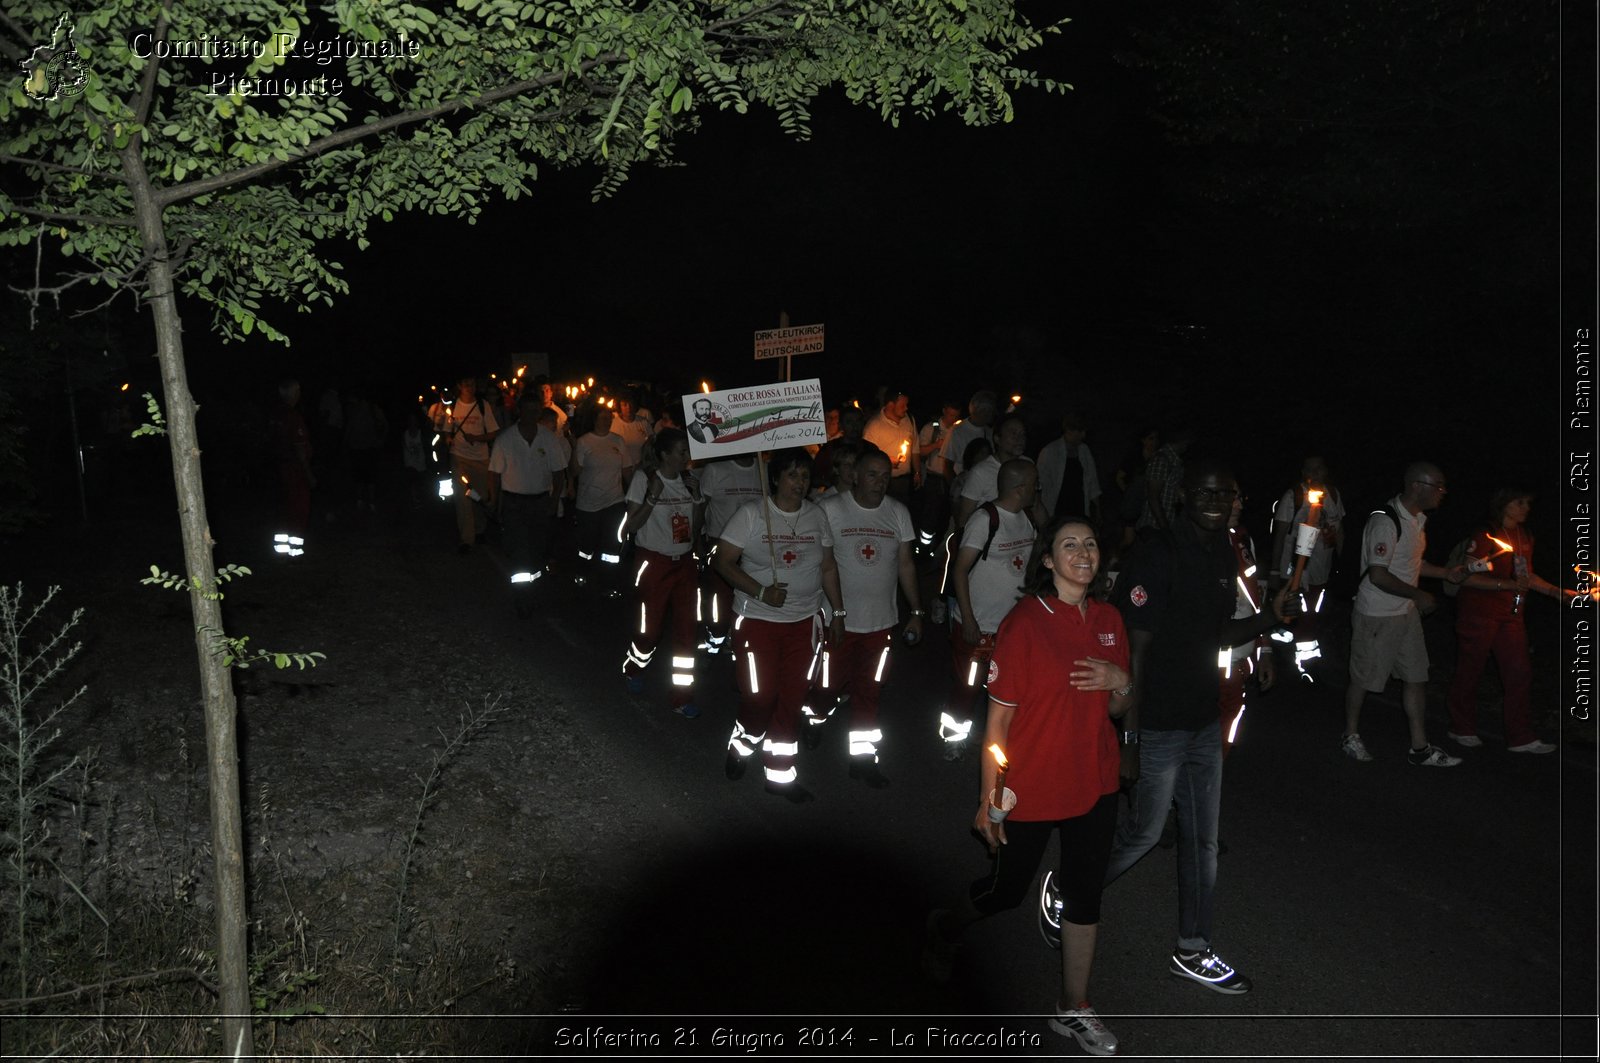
(1085,1027)
(1353,748)
(1470,741)
(1535,746)
(1432,757)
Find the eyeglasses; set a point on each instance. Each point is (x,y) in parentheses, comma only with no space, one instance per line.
(1430,483)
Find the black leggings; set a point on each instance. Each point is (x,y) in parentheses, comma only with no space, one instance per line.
(1085,851)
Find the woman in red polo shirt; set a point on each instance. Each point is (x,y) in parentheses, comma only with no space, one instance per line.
(1058,677)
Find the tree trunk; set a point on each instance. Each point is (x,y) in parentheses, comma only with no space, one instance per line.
(216,682)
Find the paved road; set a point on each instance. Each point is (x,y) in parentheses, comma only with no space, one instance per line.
(1381,909)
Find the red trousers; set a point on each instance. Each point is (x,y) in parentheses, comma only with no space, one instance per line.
(773,661)
(858,667)
(1507,639)
(666,590)
(970,665)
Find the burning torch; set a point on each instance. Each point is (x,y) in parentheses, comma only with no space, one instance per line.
(1305,538)
(1001,800)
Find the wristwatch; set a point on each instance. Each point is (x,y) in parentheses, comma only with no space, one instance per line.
(918,612)
(1129,738)
(1124,692)
(840,612)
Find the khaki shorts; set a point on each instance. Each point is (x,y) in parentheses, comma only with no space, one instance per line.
(1384,646)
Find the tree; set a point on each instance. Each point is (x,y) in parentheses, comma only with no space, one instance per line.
(223,150)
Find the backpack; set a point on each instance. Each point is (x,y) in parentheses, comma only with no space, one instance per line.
(1388,511)
(994,527)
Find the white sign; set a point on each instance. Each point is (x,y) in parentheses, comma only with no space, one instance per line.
(745,420)
(787,342)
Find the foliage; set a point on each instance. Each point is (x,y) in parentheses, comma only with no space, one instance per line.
(172,582)
(157,425)
(235,652)
(496,89)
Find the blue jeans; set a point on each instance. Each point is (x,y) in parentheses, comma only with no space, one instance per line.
(1186,767)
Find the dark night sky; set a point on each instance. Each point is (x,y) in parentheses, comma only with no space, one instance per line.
(1075,255)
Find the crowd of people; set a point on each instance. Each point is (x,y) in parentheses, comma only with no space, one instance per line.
(1106,631)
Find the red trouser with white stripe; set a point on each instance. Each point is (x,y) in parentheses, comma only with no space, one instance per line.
(666,587)
(773,661)
(715,607)
(858,666)
(971,667)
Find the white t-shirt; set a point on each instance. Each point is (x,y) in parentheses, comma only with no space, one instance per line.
(597,462)
(866,547)
(798,543)
(983,481)
(1320,564)
(455,421)
(633,434)
(1401,555)
(527,467)
(726,485)
(961,435)
(669,529)
(995,582)
(889,436)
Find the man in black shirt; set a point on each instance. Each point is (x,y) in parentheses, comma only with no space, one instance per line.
(1176,593)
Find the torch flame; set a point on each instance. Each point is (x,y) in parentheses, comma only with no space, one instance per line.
(123,388)
(1505,547)
(905,447)
(999,755)
(1015,399)
(705,387)
(1314,497)
(520,370)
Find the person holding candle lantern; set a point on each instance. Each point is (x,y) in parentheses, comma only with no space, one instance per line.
(1489,620)
(1058,678)
(469,425)
(777,554)
(1313,503)
(664,514)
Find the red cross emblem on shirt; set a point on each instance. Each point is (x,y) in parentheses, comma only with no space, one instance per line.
(790,557)
(1017,562)
(868,552)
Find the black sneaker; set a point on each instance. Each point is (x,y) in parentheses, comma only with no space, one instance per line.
(938,952)
(733,767)
(791,792)
(867,771)
(1050,909)
(1209,970)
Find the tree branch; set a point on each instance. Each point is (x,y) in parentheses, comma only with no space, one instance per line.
(754,13)
(166,197)
(55,167)
(77,219)
(169,974)
(147,89)
(17,31)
